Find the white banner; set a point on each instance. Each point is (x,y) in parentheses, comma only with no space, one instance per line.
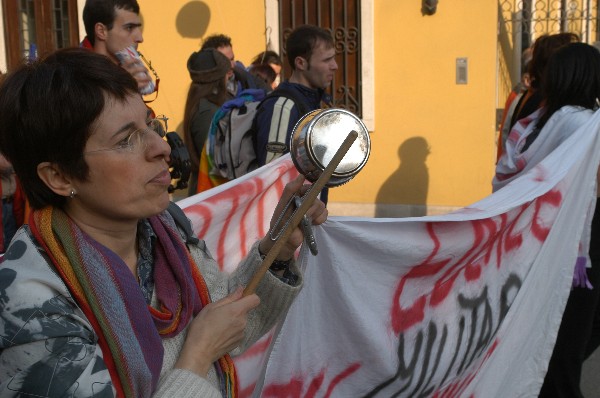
(466,304)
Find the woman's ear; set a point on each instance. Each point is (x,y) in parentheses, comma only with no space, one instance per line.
(55,179)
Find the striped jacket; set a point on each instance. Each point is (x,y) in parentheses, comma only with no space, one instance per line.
(278,115)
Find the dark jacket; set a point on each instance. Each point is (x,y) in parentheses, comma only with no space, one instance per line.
(283,114)
(277,116)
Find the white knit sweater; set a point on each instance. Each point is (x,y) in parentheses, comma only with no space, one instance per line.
(275,299)
(43,330)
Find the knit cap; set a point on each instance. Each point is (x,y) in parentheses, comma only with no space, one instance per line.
(208,66)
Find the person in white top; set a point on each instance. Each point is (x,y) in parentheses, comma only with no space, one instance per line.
(570,89)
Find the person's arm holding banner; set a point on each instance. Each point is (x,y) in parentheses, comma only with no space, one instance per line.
(235,322)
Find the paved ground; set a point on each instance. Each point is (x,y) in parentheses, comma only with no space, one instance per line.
(590,378)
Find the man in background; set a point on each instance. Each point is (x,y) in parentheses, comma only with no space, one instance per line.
(239,78)
(311,54)
(112,26)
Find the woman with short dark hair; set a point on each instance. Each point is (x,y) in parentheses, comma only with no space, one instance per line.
(100,294)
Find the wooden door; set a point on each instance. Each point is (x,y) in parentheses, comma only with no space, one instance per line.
(342,19)
(38,27)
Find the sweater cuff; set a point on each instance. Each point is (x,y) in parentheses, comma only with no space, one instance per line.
(182,383)
(292,275)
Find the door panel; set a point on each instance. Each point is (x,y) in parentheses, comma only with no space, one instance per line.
(38,27)
(342,19)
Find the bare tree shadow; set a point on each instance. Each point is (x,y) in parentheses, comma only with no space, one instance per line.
(404,193)
(192,19)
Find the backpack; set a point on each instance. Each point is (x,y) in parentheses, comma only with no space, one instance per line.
(232,135)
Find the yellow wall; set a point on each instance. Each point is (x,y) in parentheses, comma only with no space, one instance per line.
(416,96)
(415,90)
(174,29)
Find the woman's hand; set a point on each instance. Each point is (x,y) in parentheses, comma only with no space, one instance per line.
(317,213)
(216,330)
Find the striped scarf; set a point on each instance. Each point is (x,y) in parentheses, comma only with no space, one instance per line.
(109,295)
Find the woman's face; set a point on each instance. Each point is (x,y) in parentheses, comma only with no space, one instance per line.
(122,185)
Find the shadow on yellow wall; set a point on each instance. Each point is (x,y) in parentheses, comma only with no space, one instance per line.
(192,19)
(192,22)
(409,184)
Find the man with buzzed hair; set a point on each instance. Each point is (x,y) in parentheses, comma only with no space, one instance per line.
(311,55)
(111,26)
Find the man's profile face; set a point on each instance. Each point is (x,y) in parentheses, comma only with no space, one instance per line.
(228,52)
(126,31)
(321,66)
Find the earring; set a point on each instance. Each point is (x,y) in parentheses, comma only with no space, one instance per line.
(72,194)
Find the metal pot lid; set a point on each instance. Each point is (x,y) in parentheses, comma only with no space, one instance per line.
(329,129)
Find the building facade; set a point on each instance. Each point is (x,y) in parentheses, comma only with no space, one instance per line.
(429,86)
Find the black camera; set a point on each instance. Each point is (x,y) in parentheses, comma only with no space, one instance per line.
(180,166)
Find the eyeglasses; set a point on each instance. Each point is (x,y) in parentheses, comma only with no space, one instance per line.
(137,139)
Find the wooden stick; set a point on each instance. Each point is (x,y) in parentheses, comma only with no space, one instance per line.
(309,199)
